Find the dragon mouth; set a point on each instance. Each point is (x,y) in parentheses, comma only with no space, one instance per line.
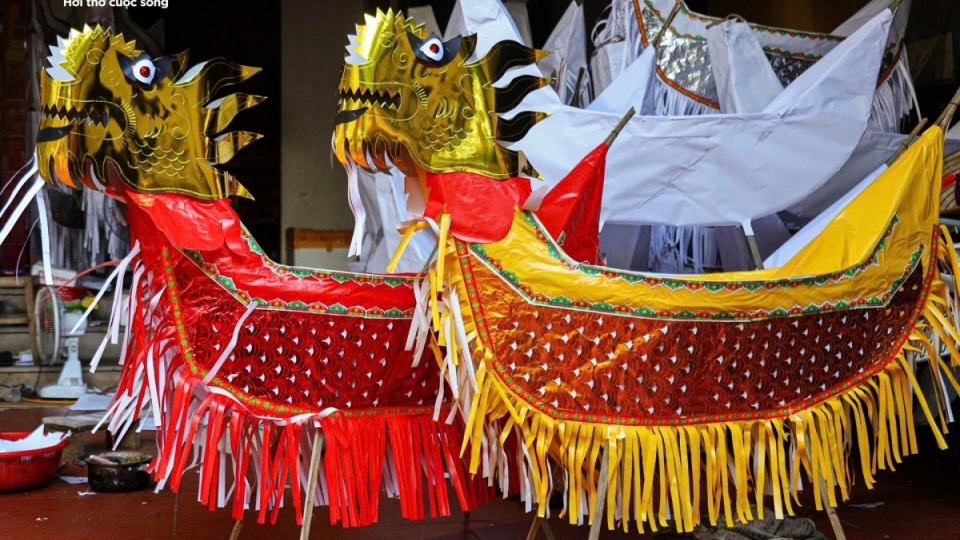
(356,101)
(74,116)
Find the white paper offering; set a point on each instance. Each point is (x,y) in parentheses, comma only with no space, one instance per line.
(35,441)
(92,402)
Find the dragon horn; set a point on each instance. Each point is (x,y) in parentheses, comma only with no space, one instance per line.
(516,128)
(216,74)
(506,55)
(510,96)
(220,113)
(235,188)
(223,148)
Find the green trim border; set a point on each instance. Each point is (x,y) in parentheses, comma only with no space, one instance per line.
(242,296)
(698,286)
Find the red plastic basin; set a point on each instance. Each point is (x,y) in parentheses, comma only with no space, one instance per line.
(30,468)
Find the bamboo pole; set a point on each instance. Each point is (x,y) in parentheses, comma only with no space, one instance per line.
(755,251)
(907,142)
(547,530)
(237,527)
(620,125)
(666,23)
(601,495)
(947,116)
(575,101)
(176,509)
(831,513)
(311,487)
(538,523)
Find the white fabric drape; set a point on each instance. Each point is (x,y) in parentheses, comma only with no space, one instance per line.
(567,46)
(719,169)
(746,82)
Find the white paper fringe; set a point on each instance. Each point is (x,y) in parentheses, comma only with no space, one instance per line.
(28,176)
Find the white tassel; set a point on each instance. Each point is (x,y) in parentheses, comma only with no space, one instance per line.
(894,99)
(228,350)
(114,323)
(31,170)
(44,238)
(356,205)
(93,208)
(18,210)
(420,324)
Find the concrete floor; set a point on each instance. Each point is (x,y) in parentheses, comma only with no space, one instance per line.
(921,500)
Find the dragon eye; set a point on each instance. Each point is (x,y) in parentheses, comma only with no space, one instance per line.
(143,71)
(432,49)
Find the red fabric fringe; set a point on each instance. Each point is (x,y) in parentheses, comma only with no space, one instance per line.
(364,450)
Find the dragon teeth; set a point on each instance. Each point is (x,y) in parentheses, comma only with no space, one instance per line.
(88,116)
(367,97)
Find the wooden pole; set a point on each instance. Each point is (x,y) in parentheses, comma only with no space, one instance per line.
(831,513)
(755,252)
(311,486)
(176,508)
(601,496)
(236,530)
(538,523)
(752,245)
(947,116)
(575,101)
(623,122)
(535,528)
(907,142)
(666,24)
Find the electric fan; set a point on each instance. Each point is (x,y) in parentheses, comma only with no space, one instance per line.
(53,325)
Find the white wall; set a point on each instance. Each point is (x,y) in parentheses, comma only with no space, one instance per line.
(314,36)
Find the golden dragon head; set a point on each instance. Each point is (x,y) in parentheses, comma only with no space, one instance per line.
(413,99)
(111,113)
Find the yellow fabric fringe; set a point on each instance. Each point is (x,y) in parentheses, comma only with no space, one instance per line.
(661,475)
(680,476)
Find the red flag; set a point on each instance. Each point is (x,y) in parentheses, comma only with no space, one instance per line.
(571,211)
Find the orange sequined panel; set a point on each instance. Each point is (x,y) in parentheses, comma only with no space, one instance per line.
(588,365)
(301,361)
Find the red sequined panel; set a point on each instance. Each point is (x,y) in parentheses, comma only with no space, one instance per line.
(662,370)
(300,359)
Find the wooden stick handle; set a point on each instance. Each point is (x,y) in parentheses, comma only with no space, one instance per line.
(667,23)
(623,122)
(906,142)
(311,486)
(598,506)
(235,533)
(947,116)
(575,101)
